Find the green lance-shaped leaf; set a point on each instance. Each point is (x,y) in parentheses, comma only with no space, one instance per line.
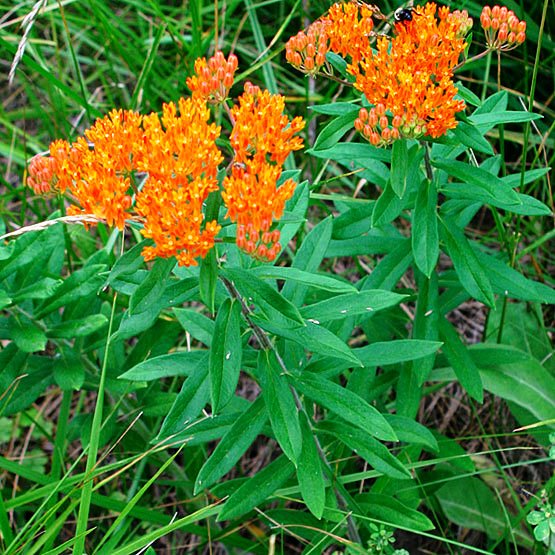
(457,354)
(425,237)
(371,450)
(182,363)
(280,404)
(508,116)
(335,129)
(387,207)
(313,337)
(264,297)
(79,284)
(351,304)
(225,354)
(390,269)
(308,258)
(425,322)
(318,281)
(257,489)
(390,510)
(309,471)
(472,275)
(196,324)
(129,263)
(208,278)
(393,352)
(150,291)
(234,443)
(484,181)
(78,328)
(399,167)
(412,432)
(509,282)
(190,401)
(351,407)
(470,136)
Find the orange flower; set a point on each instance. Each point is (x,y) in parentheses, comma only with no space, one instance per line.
(41,174)
(262,138)
(95,172)
(213,78)
(504,31)
(348,26)
(307,50)
(98,172)
(177,159)
(181,159)
(261,129)
(409,77)
(254,200)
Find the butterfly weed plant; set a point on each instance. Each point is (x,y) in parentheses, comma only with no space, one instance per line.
(209,283)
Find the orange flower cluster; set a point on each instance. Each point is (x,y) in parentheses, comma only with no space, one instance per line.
(343,30)
(349,26)
(96,170)
(181,158)
(179,162)
(504,31)
(262,138)
(307,49)
(159,170)
(213,78)
(410,76)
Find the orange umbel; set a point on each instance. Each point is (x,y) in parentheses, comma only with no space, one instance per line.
(307,49)
(262,138)
(504,31)
(408,79)
(213,77)
(181,158)
(348,26)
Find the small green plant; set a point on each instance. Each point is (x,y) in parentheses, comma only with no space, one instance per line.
(543,521)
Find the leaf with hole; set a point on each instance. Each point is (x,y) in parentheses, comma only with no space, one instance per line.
(351,304)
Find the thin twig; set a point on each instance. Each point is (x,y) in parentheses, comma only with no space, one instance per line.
(79,219)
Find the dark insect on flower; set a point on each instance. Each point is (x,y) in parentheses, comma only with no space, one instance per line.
(403,15)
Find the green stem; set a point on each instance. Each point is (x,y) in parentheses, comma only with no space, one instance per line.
(266,344)
(59,450)
(86,494)
(5,527)
(473,59)
(486,76)
(506,300)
